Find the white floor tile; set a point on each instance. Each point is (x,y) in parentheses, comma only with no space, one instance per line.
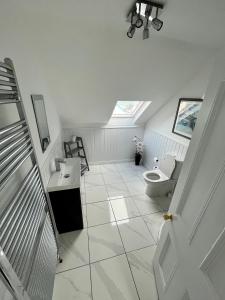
(93,169)
(112,280)
(112,178)
(94,180)
(139,169)
(110,273)
(163,202)
(96,194)
(74,284)
(136,187)
(130,176)
(108,168)
(99,213)
(124,208)
(104,242)
(117,190)
(145,205)
(135,234)
(73,250)
(142,269)
(154,223)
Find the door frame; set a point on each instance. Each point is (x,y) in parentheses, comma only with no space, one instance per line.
(197,145)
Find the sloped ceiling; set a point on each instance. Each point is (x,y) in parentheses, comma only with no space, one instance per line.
(89,63)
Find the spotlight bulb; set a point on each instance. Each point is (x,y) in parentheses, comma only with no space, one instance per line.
(131,31)
(157,24)
(139,23)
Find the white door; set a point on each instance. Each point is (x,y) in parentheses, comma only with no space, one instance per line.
(190,259)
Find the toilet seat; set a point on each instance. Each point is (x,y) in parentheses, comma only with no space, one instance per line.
(164,172)
(151,176)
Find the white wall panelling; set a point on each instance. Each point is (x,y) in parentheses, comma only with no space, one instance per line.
(157,145)
(106,144)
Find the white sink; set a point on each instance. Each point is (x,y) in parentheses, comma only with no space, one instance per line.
(67,178)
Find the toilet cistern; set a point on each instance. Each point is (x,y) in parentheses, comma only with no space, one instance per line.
(57,163)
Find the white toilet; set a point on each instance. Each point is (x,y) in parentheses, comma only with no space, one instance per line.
(159,181)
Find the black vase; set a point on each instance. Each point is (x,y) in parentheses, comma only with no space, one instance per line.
(137,159)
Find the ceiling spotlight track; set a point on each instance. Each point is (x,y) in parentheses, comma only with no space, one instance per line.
(141,15)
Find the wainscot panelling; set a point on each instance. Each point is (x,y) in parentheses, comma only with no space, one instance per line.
(157,145)
(106,144)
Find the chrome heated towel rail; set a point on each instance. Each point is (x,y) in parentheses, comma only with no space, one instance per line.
(28,251)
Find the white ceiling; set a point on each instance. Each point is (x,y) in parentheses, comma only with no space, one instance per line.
(89,63)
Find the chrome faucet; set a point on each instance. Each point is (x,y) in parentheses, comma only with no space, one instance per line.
(57,163)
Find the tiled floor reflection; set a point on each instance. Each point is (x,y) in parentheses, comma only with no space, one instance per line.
(111,259)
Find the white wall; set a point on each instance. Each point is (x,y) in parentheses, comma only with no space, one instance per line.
(157,145)
(89,63)
(106,144)
(31,80)
(161,123)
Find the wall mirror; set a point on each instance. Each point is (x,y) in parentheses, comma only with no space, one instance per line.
(41,119)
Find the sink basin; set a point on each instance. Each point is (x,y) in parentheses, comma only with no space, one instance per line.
(67,178)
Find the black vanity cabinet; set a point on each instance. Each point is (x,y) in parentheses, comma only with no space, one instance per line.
(67,209)
(64,193)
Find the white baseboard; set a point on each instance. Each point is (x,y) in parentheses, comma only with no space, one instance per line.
(110,162)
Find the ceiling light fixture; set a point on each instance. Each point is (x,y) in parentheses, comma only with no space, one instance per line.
(156,23)
(139,21)
(132,28)
(141,15)
(148,12)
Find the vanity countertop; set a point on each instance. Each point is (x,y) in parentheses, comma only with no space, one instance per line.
(66,179)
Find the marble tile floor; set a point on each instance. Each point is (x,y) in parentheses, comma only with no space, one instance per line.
(111,258)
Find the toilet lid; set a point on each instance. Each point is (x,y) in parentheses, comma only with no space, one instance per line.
(167,165)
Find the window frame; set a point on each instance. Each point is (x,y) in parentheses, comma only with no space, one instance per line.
(132,115)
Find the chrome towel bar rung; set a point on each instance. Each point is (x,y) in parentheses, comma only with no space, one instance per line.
(6,74)
(8,101)
(14,169)
(15,133)
(13,144)
(11,165)
(14,152)
(22,190)
(7,92)
(9,237)
(8,128)
(7,83)
(5,66)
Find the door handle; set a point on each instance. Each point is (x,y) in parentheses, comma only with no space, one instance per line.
(167,217)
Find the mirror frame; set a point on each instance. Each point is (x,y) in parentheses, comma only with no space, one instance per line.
(34,99)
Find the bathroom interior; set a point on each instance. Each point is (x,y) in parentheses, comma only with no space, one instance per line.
(95,129)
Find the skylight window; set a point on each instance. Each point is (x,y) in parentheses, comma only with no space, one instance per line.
(126,108)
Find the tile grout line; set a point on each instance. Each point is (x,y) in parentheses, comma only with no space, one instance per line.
(88,246)
(84,190)
(91,263)
(149,231)
(126,256)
